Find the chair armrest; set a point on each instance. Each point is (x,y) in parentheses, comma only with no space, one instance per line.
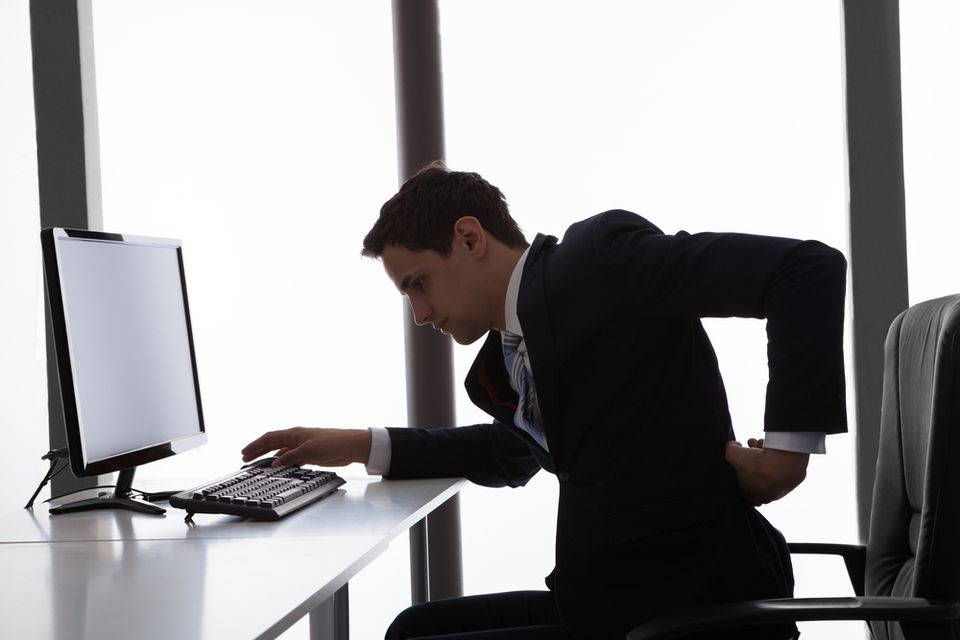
(854,557)
(750,612)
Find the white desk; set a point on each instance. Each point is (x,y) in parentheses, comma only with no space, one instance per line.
(119,574)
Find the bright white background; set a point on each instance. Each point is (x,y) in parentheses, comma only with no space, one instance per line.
(930,54)
(23,364)
(700,115)
(263,136)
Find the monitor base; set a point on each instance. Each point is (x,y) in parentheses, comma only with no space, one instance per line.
(109,502)
(119,499)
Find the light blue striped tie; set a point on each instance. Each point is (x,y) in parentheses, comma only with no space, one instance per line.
(524,385)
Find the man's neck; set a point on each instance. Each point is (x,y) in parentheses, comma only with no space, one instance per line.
(508,264)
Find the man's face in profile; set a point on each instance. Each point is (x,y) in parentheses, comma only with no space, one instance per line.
(445,292)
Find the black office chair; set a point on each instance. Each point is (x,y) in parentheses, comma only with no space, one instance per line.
(907,579)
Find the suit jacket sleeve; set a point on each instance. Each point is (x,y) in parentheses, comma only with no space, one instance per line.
(487,454)
(798,286)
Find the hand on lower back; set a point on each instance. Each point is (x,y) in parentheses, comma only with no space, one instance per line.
(765,475)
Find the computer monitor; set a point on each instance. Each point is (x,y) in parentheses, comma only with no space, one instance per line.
(125,355)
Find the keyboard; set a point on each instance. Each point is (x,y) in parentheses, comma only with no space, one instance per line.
(259,491)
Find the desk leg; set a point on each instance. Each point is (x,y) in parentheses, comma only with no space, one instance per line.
(331,620)
(419,563)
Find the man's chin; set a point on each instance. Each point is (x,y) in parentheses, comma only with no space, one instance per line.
(460,338)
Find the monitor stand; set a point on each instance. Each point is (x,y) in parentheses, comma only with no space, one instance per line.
(120,499)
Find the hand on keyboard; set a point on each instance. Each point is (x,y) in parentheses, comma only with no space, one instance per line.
(324,447)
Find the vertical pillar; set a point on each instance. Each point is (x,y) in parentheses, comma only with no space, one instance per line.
(68,153)
(878,250)
(429,355)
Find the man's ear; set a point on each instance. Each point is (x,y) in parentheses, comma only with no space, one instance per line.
(469,232)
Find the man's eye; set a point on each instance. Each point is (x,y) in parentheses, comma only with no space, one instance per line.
(418,285)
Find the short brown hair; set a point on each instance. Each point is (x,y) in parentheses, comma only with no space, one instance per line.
(422,214)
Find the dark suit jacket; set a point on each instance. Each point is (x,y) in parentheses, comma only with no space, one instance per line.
(635,414)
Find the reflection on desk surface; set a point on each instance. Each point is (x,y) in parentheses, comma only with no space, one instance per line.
(362,506)
(159,589)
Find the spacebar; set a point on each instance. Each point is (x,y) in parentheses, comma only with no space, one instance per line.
(286,495)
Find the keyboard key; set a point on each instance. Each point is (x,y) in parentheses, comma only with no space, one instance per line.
(282,497)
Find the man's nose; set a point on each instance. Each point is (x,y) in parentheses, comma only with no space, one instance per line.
(421,312)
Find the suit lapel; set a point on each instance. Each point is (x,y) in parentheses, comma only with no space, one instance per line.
(487,383)
(489,388)
(538,336)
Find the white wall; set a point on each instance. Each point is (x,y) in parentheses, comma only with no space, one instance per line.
(23,369)
(930,56)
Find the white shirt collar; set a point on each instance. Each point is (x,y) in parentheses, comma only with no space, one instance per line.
(513,293)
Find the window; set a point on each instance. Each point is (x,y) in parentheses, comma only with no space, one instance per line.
(931,134)
(263,136)
(699,115)
(23,374)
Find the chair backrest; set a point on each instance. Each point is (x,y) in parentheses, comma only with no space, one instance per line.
(914,546)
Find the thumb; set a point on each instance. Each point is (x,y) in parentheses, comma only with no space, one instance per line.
(733,452)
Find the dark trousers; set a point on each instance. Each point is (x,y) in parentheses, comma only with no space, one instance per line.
(525,615)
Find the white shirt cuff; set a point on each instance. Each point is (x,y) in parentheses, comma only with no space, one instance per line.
(796,441)
(379,462)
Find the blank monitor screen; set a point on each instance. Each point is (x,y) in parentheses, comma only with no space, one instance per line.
(130,349)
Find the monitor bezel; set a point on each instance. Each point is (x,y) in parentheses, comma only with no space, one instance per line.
(51,265)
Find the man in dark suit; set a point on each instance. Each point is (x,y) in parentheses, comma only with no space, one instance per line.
(596,368)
